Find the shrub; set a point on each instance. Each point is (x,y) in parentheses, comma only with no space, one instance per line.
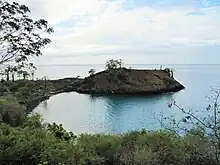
(11,112)
(35,143)
(113,64)
(91,72)
(32,145)
(106,147)
(59,132)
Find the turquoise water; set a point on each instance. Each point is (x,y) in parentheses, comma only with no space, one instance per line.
(116,114)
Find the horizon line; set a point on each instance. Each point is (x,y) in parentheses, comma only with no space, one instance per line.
(124,64)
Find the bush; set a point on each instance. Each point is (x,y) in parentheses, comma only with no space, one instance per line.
(113,64)
(59,132)
(91,72)
(32,145)
(35,143)
(104,147)
(151,148)
(11,112)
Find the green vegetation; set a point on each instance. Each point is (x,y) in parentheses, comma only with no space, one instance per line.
(34,143)
(91,72)
(170,71)
(114,64)
(27,140)
(20,38)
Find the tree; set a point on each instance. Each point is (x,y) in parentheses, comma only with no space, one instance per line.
(170,71)
(113,64)
(19,34)
(7,72)
(25,75)
(13,72)
(91,72)
(205,128)
(32,69)
(32,74)
(120,62)
(10,70)
(19,74)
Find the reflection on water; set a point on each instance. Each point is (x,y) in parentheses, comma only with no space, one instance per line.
(115,114)
(110,114)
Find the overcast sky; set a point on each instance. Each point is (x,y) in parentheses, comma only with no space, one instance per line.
(138,31)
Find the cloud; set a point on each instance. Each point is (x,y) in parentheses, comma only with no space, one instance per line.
(91,31)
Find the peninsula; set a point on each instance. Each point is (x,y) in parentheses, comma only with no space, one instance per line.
(129,81)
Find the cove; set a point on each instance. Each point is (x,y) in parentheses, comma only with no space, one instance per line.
(82,113)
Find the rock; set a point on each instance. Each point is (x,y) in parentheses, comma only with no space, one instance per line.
(129,81)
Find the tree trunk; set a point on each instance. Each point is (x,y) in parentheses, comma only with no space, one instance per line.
(32,75)
(7,78)
(13,77)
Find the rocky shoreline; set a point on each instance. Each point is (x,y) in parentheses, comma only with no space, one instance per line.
(126,81)
(137,93)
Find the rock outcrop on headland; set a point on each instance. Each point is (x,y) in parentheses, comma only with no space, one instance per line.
(129,81)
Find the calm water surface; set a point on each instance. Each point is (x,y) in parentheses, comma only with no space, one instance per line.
(82,113)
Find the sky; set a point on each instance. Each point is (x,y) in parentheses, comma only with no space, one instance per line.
(137,31)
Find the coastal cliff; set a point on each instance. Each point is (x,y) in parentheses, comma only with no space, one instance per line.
(129,81)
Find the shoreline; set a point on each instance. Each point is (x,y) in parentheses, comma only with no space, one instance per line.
(31,105)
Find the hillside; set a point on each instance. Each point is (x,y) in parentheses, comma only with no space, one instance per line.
(129,81)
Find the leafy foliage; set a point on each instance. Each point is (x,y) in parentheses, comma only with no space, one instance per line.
(20,38)
(60,132)
(32,145)
(113,64)
(91,72)
(11,112)
(205,130)
(35,143)
(170,71)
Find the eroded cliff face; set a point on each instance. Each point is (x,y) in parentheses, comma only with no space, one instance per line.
(129,81)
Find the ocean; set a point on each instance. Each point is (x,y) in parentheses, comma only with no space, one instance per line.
(83,113)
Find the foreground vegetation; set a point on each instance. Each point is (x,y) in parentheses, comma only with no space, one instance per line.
(34,143)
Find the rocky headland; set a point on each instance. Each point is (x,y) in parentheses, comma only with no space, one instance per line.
(129,81)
